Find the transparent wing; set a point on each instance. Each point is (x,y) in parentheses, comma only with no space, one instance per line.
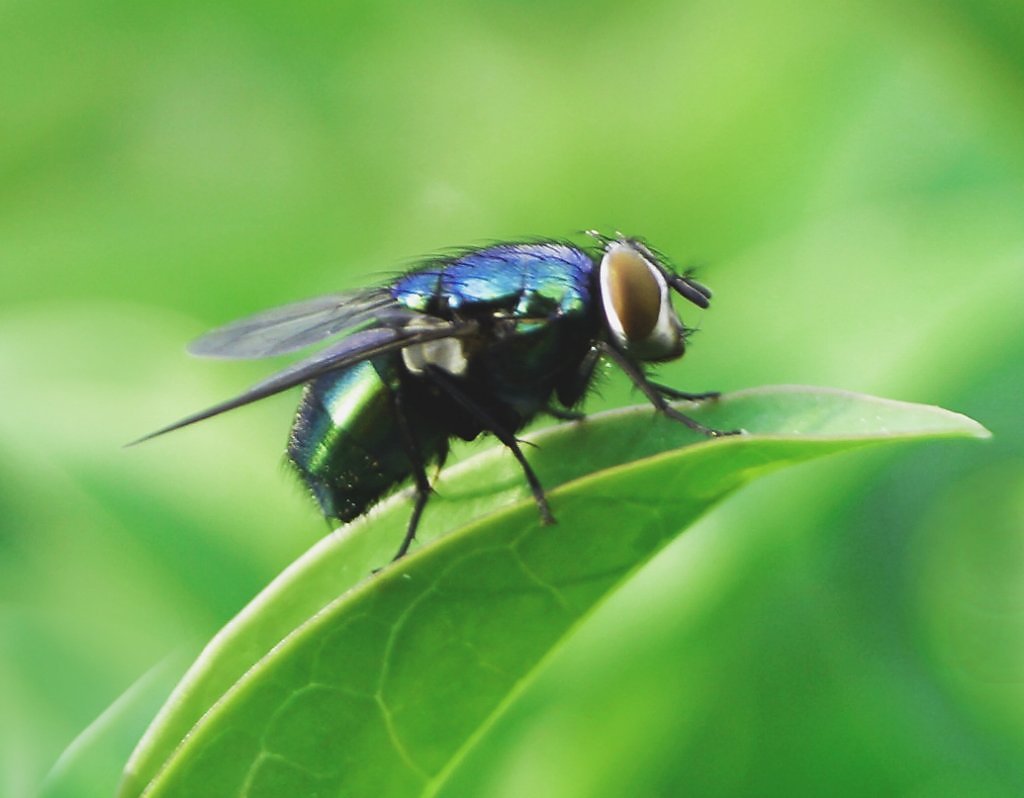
(290,327)
(353,349)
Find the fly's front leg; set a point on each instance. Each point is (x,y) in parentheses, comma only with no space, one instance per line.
(655,395)
(672,393)
(573,386)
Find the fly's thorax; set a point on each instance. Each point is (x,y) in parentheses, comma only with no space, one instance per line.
(637,304)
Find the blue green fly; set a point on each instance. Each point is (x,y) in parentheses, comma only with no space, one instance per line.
(477,342)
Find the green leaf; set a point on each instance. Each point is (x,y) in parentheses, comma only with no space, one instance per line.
(334,682)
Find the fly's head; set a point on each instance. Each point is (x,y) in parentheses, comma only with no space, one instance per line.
(636,297)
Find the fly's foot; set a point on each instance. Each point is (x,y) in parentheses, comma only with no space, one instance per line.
(672,393)
(696,426)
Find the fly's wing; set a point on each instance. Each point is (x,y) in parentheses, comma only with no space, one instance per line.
(290,327)
(353,349)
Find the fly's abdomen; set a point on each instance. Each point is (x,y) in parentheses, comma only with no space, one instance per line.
(346,443)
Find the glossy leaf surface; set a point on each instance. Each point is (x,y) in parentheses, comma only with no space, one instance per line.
(332,682)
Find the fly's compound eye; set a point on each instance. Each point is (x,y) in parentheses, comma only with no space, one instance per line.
(632,291)
(637,306)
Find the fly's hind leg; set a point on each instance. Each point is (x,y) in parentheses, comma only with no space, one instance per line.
(445,382)
(656,395)
(419,474)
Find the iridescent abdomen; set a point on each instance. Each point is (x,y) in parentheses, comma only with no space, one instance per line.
(346,444)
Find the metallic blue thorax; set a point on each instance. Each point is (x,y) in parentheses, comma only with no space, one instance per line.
(526,280)
(535,304)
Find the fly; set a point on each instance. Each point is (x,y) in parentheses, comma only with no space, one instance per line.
(478,342)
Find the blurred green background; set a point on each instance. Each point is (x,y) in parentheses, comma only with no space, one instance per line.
(851,177)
